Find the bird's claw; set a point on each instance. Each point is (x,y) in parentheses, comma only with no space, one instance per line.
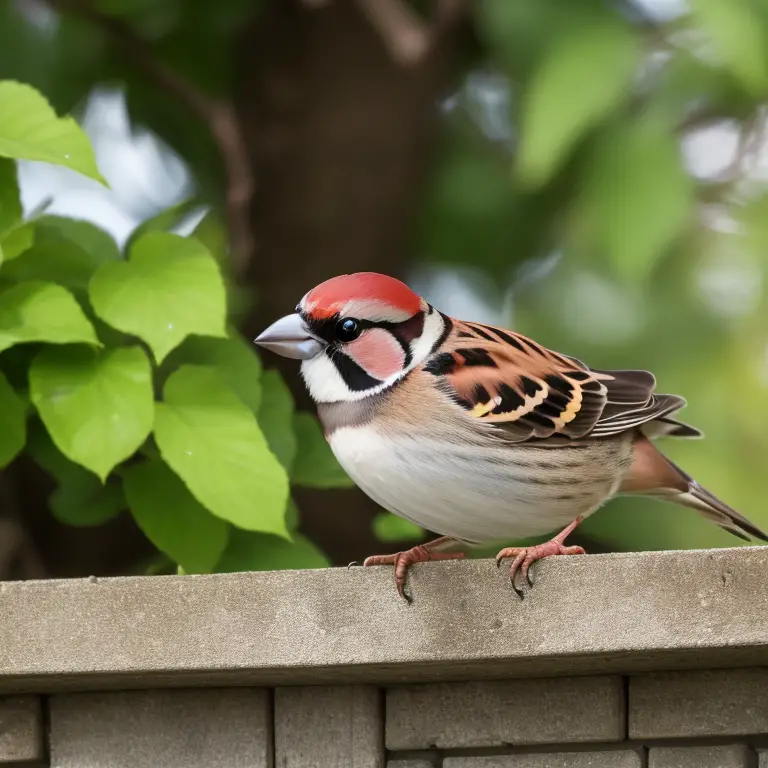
(525,557)
(402,561)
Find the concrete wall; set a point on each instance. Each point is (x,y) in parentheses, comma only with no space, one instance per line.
(78,697)
(701,719)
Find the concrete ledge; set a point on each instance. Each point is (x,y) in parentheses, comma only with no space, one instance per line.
(586,615)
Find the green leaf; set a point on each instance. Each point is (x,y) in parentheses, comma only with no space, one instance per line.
(17,240)
(739,31)
(259,552)
(170,288)
(212,233)
(84,502)
(15,235)
(10,204)
(586,74)
(211,440)
(164,221)
(291,515)
(516,31)
(37,311)
(638,197)
(30,130)
(96,242)
(172,519)
(13,423)
(81,499)
(387,527)
(65,251)
(315,465)
(276,418)
(96,404)
(233,358)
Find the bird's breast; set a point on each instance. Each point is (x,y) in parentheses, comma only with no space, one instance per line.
(479,492)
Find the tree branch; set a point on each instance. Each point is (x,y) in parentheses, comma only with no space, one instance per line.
(407,36)
(219,115)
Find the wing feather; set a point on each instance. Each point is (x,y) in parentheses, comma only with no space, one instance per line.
(532,392)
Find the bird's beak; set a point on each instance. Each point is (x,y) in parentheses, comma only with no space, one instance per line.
(290,337)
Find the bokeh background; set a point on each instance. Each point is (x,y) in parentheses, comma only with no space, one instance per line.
(593,173)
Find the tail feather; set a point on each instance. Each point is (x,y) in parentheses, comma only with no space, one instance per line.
(667,426)
(708,505)
(653,474)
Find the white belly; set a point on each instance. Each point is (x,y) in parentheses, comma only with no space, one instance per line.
(473,493)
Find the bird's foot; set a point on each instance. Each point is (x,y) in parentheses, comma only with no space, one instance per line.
(524,557)
(402,561)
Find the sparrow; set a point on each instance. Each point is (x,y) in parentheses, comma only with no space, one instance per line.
(475,432)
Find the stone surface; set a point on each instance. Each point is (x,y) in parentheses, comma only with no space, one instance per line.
(623,612)
(731,756)
(624,758)
(21,729)
(698,703)
(503,713)
(173,729)
(762,760)
(334,726)
(412,763)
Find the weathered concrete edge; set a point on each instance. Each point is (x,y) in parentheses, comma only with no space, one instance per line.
(586,615)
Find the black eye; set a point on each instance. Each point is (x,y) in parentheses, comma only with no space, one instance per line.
(348,329)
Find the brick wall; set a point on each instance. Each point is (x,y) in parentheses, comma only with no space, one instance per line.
(692,719)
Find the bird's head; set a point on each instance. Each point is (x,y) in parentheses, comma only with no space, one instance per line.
(356,335)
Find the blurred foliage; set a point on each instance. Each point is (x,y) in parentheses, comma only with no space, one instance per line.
(569,177)
(198,466)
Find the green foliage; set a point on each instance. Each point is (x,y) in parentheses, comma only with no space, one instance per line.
(96,404)
(387,527)
(212,440)
(258,552)
(80,498)
(40,311)
(169,289)
(173,519)
(204,470)
(558,108)
(275,417)
(315,465)
(13,422)
(738,31)
(30,130)
(64,251)
(636,222)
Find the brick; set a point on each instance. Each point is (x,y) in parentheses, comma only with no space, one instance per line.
(412,763)
(625,758)
(339,726)
(762,761)
(503,713)
(21,730)
(228,728)
(731,756)
(699,703)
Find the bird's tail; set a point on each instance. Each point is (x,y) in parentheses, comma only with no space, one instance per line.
(708,505)
(653,474)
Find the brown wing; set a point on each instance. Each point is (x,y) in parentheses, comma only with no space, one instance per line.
(504,378)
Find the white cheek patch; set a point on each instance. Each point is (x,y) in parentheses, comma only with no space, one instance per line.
(324,381)
(378,353)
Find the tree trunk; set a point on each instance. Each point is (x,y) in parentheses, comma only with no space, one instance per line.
(340,137)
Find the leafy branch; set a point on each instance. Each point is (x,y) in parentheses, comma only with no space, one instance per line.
(219,115)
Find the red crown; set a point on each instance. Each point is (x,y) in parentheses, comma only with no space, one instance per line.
(326,299)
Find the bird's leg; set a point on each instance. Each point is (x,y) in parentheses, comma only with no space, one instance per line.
(524,557)
(421,553)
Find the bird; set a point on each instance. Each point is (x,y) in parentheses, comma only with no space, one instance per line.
(478,433)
